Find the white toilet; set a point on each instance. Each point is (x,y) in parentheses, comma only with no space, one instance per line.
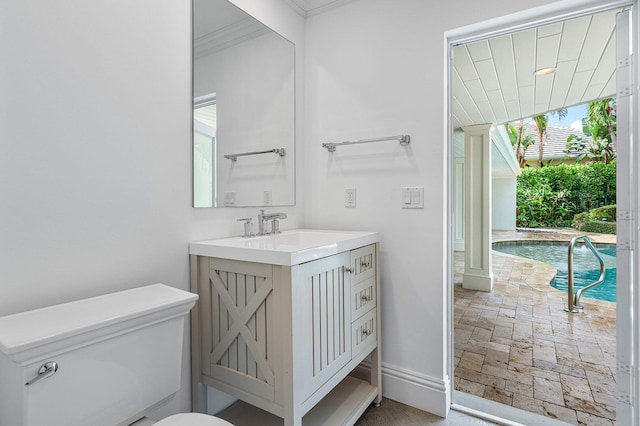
(103,361)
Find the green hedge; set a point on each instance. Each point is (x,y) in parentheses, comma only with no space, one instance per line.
(601,220)
(551,196)
(600,214)
(597,227)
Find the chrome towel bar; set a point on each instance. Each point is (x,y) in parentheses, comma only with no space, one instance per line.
(234,157)
(403,139)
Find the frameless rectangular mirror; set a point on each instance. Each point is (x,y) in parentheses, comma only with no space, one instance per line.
(244,110)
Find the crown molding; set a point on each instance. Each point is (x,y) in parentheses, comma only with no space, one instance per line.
(228,36)
(308,8)
(317,7)
(298,6)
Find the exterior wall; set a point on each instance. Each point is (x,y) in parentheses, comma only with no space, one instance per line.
(503,204)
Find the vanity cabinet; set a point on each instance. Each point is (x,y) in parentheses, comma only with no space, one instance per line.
(289,339)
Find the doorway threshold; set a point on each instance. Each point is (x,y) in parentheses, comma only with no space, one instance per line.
(499,413)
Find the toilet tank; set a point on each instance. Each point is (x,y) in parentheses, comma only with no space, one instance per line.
(117,356)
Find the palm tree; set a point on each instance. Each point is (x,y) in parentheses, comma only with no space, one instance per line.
(600,124)
(600,121)
(519,140)
(542,121)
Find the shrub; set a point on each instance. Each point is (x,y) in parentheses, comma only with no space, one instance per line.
(552,196)
(600,214)
(601,220)
(598,227)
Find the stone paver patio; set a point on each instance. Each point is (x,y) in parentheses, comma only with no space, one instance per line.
(515,345)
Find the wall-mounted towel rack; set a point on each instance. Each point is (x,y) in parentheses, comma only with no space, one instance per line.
(403,139)
(234,157)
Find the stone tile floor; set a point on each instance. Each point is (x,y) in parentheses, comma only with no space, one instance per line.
(516,345)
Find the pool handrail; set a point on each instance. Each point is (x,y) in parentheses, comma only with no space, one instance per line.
(574,301)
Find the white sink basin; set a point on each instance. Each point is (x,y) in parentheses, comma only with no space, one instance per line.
(288,248)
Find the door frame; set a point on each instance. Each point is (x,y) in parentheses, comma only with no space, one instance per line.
(627,328)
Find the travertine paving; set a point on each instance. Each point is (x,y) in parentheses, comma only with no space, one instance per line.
(515,345)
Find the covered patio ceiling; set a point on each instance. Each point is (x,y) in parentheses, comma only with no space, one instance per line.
(494,80)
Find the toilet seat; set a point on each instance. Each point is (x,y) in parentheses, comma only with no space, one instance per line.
(192,419)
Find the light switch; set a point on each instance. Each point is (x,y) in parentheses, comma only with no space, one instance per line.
(406,196)
(413,197)
(416,196)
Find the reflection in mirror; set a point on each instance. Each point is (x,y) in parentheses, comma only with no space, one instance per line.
(204,151)
(243,87)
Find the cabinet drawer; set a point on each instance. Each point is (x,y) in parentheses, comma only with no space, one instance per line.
(363,297)
(365,333)
(363,263)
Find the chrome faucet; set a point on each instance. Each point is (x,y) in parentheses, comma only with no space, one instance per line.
(263,218)
(248,232)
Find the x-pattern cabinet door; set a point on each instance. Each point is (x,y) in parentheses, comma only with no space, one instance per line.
(237,309)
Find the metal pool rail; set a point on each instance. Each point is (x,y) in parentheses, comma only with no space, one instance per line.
(573,305)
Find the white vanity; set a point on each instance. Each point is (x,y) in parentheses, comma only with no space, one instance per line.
(284,320)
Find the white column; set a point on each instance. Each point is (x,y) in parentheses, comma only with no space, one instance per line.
(458,204)
(477,208)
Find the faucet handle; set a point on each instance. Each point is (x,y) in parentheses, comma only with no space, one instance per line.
(247,227)
(275,226)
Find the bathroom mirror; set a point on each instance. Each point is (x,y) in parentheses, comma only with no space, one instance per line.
(244,110)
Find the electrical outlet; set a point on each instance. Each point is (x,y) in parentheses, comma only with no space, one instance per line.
(230,198)
(267,198)
(350,197)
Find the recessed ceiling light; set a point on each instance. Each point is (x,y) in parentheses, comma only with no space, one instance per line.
(545,71)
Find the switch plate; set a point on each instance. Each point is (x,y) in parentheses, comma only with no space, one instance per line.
(350,197)
(413,197)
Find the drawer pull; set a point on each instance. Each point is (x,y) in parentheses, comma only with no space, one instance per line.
(366,332)
(366,298)
(365,263)
(348,269)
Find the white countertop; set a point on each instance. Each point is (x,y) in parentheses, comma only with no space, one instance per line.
(288,248)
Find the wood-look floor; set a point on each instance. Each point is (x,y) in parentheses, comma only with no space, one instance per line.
(390,413)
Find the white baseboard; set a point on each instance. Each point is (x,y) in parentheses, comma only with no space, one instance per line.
(418,390)
(430,394)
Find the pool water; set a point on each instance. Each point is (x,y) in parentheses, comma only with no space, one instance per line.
(586,268)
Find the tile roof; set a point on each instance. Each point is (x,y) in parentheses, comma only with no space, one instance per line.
(554,141)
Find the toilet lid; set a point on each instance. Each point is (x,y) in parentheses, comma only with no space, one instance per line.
(192,419)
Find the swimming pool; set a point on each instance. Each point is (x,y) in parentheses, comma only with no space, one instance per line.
(586,267)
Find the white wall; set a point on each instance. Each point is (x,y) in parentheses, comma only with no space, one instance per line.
(503,204)
(95,148)
(95,161)
(375,68)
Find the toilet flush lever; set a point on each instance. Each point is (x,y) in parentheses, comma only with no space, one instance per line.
(47,370)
